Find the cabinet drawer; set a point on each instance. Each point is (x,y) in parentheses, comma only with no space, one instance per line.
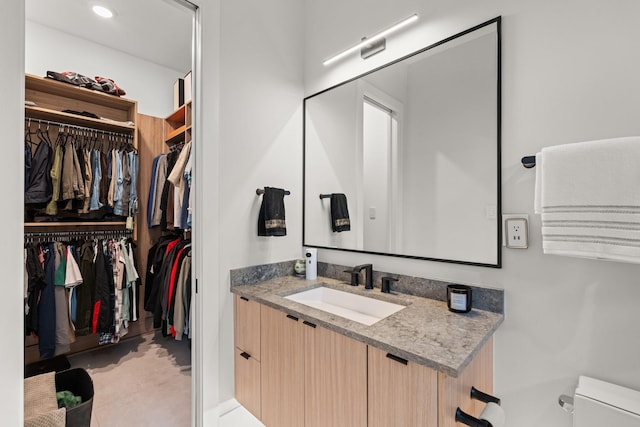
(401,393)
(247,326)
(247,379)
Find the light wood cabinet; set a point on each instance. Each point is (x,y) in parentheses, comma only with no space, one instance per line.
(247,380)
(309,376)
(247,326)
(401,393)
(282,369)
(335,379)
(247,354)
(456,392)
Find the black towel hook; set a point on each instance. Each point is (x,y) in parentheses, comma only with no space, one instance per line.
(528,161)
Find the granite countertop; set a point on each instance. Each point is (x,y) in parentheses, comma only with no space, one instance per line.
(424,332)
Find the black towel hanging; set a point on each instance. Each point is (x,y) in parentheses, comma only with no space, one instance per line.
(339,213)
(271,220)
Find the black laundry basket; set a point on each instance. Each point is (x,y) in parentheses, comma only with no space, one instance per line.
(78,382)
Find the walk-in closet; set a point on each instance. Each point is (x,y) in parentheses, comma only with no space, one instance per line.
(108,163)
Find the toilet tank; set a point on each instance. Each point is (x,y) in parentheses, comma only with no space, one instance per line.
(598,403)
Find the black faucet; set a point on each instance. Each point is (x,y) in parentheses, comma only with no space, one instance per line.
(355,277)
(368,271)
(386,284)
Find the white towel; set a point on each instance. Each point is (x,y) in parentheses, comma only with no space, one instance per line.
(589,196)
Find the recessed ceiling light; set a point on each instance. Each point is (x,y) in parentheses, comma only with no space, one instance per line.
(102,11)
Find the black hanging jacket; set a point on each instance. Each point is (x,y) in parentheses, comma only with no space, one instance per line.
(39,187)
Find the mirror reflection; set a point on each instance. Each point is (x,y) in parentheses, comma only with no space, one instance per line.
(414,147)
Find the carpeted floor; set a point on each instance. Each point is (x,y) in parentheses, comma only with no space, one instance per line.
(142,381)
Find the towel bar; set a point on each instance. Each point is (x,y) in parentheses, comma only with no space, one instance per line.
(260,191)
(325,196)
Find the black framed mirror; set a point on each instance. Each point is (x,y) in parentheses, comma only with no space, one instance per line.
(414,146)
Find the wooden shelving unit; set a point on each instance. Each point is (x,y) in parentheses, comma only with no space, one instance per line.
(177,126)
(52,97)
(118,116)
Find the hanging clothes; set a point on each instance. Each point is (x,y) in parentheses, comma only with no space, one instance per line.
(85,294)
(47,306)
(157,185)
(39,188)
(79,288)
(169,286)
(170,191)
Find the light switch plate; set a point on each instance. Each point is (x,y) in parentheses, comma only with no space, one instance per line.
(516,231)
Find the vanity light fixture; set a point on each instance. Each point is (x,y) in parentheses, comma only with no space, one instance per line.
(102,11)
(371,45)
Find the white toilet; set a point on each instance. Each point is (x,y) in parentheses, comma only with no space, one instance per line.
(598,403)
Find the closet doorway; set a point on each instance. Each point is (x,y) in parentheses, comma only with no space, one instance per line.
(139,54)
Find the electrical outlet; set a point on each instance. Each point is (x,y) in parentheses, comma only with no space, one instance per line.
(516,231)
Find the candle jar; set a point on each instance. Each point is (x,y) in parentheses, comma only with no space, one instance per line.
(459,298)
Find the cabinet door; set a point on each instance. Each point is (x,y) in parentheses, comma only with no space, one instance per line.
(247,326)
(335,371)
(282,369)
(401,394)
(455,392)
(247,380)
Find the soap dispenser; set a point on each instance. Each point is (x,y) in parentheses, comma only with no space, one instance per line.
(311,257)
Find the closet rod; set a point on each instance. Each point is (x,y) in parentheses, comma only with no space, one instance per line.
(79,128)
(53,235)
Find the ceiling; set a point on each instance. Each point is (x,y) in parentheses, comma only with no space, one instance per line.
(158,31)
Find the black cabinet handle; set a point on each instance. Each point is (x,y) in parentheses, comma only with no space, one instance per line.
(397,359)
(309,324)
(292,317)
(245,355)
(244,299)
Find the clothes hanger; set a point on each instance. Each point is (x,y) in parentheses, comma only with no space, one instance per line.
(43,135)
(29,134)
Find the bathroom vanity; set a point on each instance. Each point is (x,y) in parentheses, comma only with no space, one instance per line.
(298,365)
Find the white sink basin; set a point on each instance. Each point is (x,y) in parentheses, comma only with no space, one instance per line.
(354,307)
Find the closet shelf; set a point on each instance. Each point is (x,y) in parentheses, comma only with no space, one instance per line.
(177,135)
(177,125)
(74,119)
(178,115)
(65,90)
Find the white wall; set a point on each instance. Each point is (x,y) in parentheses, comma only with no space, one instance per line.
(570,73)
(148,83)
(11,119)
(261,91)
